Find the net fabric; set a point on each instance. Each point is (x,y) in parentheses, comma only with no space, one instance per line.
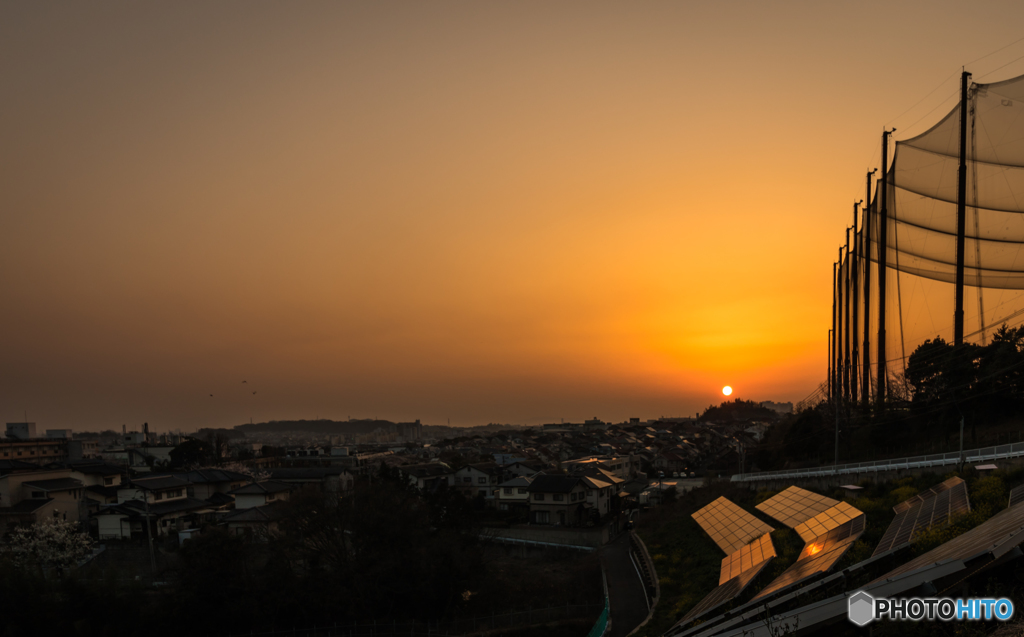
(922,194)
(921,223)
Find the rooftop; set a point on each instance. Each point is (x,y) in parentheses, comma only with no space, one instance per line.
(55,484)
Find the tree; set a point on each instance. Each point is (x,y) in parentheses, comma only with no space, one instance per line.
(51,543)
(190,454)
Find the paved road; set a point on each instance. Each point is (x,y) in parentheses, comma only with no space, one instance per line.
(625,590)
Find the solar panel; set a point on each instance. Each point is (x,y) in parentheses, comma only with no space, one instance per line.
(746,558)
(729,526)
(725,592)
(795,505)
(818,556)
(998,534)
(827,520)
(929,508)
(1017,495)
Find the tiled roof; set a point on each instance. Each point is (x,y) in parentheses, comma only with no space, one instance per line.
(7,466)
(425,470)
(206,476)
(106,492)
(256,488)
(158,483)
(305,473)
(553,484)
(25,506)
(95,468)
(55,484)
(220,499)
(265,513)
(164,508)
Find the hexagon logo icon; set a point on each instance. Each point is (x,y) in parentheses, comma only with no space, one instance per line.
(861,608)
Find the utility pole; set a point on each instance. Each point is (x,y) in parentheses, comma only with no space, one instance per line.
(961,215)
(857,261)
(866,352)
(149,533)
(883,258)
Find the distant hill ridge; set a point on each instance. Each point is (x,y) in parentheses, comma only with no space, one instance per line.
(321,426)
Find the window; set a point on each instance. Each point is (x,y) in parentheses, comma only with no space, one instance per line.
(559,497)
(522,490)
(508,490)
(504,507)
(541,517)
(108,481)
(572,497)
(481,480)
(469,480)
(158,496)
(539,497)
(271,496)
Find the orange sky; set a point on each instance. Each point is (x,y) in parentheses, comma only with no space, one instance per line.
(488,212)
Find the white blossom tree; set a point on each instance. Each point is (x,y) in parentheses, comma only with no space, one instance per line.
(255,474)
(51,543)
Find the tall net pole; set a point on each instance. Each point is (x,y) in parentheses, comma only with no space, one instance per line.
(841,377)
(834,375)
(866,352)
(961,215)
(883,227)
(848,373)
(854,373)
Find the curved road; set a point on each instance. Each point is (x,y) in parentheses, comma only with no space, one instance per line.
(625,589)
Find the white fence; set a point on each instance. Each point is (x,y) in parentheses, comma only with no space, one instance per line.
(999,452)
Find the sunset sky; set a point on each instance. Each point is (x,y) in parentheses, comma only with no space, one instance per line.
(511,212)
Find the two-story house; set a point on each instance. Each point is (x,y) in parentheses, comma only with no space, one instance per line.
(514,495)
(478,479)
(258,494)
(558,499)
(28,497)
(428,477)
(162,502)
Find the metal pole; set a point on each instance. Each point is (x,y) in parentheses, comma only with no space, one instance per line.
(883,228)
(830,357)
(855,372)
(835,339)
(866,352)
(847,370)
(841,378)
(961,216)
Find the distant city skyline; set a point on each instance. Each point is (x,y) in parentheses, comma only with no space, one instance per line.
(477,212)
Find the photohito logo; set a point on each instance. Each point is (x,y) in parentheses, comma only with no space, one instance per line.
(864,609)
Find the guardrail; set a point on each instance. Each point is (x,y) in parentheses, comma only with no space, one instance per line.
(650,576)
(998,452)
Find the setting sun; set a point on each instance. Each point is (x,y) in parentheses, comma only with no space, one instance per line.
(727,390)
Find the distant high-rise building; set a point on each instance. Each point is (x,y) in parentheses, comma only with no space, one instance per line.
(21,430)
